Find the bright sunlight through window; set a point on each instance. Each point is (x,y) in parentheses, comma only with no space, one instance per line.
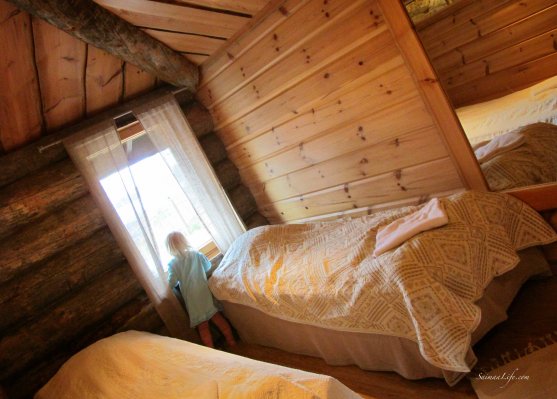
(164,202)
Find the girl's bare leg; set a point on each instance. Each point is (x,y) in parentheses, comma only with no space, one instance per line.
(224,327)
(205,334)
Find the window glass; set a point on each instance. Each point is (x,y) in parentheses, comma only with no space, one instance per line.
(166,205)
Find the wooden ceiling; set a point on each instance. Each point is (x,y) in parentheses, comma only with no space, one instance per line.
(195,27)
(51,79)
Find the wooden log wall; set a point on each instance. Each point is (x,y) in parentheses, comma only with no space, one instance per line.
(487,49)
(64,282)
(51,79)
(328,107)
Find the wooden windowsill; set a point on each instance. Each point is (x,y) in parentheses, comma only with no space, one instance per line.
(210,250)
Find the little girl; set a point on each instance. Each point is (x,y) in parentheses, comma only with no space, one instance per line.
(189,270)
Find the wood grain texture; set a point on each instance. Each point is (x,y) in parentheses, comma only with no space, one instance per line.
(67,321)
(60,60)
(274,14)
(240,6)
(433,95)
(136,81)
(488,49)
(383,156)
(22,299)
(347,137)
(504,82)
(271,47)
(55,232)
(20,102)
(408,182)
(32,379)
(30,198)
(322,98)
(103,81)
(172,17)
(298,65)
(187,43)
(95,25)
(364,64)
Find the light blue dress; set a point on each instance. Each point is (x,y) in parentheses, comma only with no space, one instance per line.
(190,272)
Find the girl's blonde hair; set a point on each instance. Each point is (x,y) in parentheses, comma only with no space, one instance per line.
(177,244)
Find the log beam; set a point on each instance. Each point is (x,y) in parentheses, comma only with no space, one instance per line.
(213,148)
(53,233)
(95,25)
(25,297)
(199,118)
(242,200)
(228,174)
(36,195)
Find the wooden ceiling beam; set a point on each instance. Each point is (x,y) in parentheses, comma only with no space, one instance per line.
(93,24)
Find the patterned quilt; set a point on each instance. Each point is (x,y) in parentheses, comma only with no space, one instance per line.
(324,274)
(534,162)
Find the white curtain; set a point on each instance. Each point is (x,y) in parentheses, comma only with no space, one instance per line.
(98,153)
(168,129)
(141,210)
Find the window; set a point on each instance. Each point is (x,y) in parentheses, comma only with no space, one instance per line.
(134,171)
(162,198)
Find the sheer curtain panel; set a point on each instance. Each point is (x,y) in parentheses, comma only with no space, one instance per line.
(174,139)
(98,153)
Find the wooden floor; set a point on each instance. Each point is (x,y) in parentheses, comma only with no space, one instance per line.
(533,315)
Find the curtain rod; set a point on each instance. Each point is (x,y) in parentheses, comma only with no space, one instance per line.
(107,113)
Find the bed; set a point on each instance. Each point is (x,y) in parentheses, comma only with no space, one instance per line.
(316,289)
(534,162)
(142,365)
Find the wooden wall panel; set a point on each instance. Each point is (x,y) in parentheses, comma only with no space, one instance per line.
(173,17)
(484,50)
(51,80)
(20,101)
(136,81)
(60,60)
(104,80)
(239,6)
(323,112)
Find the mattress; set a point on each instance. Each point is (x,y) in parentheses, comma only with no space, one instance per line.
(376,351)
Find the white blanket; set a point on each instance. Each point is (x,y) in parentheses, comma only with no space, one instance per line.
(138,365)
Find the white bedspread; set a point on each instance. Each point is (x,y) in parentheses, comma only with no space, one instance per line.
(140,365)
(324,274)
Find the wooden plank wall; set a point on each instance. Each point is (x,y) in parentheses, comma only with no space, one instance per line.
(319,109)
(486,49)
(64,282)
(51,79)
(194,28)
